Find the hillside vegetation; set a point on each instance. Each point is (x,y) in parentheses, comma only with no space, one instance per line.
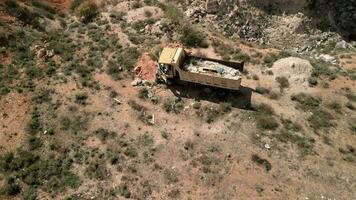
(78,120)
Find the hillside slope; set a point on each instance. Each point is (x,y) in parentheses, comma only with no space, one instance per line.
(82,117)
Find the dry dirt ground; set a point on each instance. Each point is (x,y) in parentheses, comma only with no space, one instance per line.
(154,141)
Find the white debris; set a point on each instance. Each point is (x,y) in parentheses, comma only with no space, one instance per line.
(326,58)
(136,82)
(212,68)
(267,146)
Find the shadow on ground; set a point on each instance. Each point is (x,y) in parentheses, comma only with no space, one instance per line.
(238,99)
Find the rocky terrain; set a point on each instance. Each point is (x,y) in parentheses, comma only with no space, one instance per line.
(82,116)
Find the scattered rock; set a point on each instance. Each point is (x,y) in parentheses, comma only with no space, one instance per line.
(212,6)
(136,82)
(327,58)
(341,45)
(267,146)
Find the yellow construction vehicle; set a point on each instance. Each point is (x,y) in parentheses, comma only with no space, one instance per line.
(175,63)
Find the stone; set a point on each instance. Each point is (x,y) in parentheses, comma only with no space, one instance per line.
(341,45)
(136,82)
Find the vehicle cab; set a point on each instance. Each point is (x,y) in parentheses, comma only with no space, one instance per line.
(169,62)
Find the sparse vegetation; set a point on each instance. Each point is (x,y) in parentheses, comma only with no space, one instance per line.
(257,159)
(87,11)
(262,90)
(349,105)
(173,13)
(173,105)
(81,98)
(321,120)
(306,101)
(264,117)
(313,81)
(269,59)
(192,37)
(72,126)
(283,82)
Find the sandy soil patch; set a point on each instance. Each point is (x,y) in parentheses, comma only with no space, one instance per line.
(14,115)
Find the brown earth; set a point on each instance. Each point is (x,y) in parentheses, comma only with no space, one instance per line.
(14,111)
(146,68)
(60,4)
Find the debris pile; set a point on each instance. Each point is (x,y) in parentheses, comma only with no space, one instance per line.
(198,66)
(295,69)
(146,68)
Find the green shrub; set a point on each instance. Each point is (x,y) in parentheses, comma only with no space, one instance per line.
(261,161)
(97,170)
(44,6)
(266,122)
(34,142)
(174,194)
(269,59)
(173,13)
(352,125)
(11,188)
(114,70)
(76,123)
(21,13)
(241,57)
(335,106)
(283,82)
(4,91)
(321,120)
(136,4)
(148,13)
(30,194)
(262,90)
(42,96)
(33,72)
(264,117)
(124,190)
(145,140)
(306,101)
(128,58)
(52,175)
(192,37)
(104,134)
(171,176)
(75,4)
(34,125)
(313,81)
(87,11)
(321,67)
(305,144)
(4,39)
(81,98)
(173,105)
(131,151)
(211,115)
(263,108)
(143,93)
(349,105)
(225,107)
(134,105)
(165,135)
(291,126)
(196,105)
(351,97)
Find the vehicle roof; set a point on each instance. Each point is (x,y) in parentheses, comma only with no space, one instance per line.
(168,55)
